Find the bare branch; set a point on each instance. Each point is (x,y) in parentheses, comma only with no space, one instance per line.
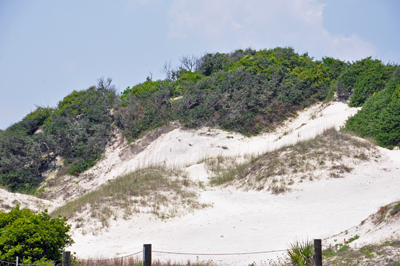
(189,62)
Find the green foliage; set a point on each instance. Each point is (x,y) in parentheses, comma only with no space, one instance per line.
(185,79)
(77,130)
(33,237)
(300,251)
(212,63)
(81,126)
(30,123)
(246,91)
(330,95)
(40,262)
(380,116)
(22,158)
(362,79)
(144,112)
(148,86)
(351,239)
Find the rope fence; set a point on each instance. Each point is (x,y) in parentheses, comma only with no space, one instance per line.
(219,254)
(147,254)
(117,258)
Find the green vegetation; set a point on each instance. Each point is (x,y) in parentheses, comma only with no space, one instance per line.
(301,252)
(361,79)
(33,237)
(382,254)
(379,118)
(77,130)
(245,91)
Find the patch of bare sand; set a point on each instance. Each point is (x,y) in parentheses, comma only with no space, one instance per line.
(9,200)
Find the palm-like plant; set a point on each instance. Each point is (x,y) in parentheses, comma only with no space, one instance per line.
(301,252)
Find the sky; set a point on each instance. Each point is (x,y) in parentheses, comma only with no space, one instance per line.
(50,48)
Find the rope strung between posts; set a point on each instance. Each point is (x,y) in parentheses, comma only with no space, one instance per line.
(112,258)
(220,254)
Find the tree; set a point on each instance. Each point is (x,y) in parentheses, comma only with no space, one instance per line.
(32,236)
(189,62)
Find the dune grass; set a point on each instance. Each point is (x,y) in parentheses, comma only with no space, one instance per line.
(332,151)
(156,190)
(386,253)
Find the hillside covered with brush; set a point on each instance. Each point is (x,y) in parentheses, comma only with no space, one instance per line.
(246,91)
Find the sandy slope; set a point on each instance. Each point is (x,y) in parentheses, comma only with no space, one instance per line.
(249,221)
(9,200)
(239,221)
(181,147)
(256,221)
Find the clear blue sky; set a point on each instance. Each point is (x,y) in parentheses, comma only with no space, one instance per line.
(50,48)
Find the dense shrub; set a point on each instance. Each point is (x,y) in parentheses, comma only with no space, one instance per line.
(32,236)
(380,116)
(144,111)
(254,93)
(77,130)
(22,158)
(81,125)
(362,79)
(246,91)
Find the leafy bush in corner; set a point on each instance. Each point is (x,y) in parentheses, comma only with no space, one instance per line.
(32,236)
(380,116)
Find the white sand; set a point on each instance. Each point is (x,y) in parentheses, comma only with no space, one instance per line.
(9,200)
(249,221)
(255,221)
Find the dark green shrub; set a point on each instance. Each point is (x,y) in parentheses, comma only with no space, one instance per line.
(77,130)
(30,123)
(144,112)
(81,125)
(22,158)
(244,91)
(361,79)
(380,116)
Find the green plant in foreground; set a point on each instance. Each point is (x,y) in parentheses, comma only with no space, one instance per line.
(32,236)
(300,251)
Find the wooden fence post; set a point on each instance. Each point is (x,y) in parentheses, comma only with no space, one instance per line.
(318,252)
(66,258)
(147,255)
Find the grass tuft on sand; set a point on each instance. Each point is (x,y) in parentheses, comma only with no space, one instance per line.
(158,190)
(332,153)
